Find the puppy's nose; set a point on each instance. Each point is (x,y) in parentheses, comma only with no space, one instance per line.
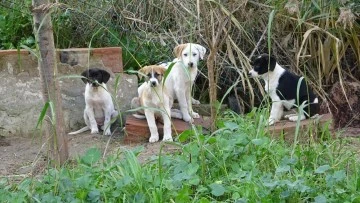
(153,83)
(191,64)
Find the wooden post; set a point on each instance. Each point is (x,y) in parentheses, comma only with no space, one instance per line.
(43,31)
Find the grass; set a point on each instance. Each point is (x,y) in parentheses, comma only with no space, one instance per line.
(239,162)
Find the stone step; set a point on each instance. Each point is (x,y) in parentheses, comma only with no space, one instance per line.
(137,130)
(286,129)
(202,109)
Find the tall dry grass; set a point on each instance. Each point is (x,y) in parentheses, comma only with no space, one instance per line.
(318,39)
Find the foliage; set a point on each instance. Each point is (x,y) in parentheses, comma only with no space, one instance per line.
(238,162)
(318,38)
(15,24)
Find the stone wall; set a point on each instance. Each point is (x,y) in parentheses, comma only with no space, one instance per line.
(20,86)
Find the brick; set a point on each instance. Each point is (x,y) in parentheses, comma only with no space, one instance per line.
(137,130)
(286,129)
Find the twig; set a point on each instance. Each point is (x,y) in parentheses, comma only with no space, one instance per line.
(258,43)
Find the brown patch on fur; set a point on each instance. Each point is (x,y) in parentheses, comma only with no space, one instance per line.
(179,49)
(156,68)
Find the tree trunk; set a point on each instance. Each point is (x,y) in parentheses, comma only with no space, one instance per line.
(54,128)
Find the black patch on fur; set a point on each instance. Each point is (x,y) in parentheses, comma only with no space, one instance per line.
(287,90)
(288,83)
(95,74)
(263,63)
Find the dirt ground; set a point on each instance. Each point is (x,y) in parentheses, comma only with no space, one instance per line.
(22,156)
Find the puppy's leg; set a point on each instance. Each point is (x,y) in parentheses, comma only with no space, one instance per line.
(276,112)
(167,125)
(180,95)
(89,114)
(150,118)
(189,100)
(107,122)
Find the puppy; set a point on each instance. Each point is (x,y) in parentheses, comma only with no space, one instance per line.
(99,107)
(181,78)
(155,100)
(282,85)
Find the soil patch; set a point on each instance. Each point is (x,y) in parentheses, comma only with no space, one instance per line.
(23,156)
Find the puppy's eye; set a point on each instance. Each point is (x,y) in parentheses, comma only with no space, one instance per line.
(185,54)
(157,74)
(194,54)
(149,75)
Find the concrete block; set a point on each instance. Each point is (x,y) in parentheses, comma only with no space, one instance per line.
(20,86)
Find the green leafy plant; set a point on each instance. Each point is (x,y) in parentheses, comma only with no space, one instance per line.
(238,162)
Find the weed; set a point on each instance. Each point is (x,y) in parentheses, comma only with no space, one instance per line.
(238,162)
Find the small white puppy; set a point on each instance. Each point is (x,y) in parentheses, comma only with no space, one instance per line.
(155,100)
(99,107)
(181,78)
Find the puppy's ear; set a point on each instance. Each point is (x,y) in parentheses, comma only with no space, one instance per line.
(85,75)
(272,62)
(201,49)
(162,70)
(142,72)
(105,76)
(178,50)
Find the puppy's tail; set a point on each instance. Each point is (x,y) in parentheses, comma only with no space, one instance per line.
(86,128)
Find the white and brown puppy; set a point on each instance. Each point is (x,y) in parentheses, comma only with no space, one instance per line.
(99,107)
(154,98)
(285,89)
(181,78)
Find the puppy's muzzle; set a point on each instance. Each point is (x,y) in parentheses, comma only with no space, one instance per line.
(94,83)
(253,74)
(153,83)
(190,64)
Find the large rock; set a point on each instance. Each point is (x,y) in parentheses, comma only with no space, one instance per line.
(346,113)
(20,87)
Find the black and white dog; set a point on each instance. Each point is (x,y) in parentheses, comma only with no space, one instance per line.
(282,87)
(99,107)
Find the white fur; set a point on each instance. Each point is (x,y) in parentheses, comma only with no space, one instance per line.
(99,109)
(271,80)
(181,79)
(153,98)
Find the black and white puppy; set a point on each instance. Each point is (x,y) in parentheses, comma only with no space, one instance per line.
(99,107)
(281,85)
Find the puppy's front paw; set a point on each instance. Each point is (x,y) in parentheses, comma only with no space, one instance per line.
(196,102)
(154,139)
(107,132)
(289,115)
(94,131)
(295,118)
(167,139)
(271,121)
(187,118)
(195,115)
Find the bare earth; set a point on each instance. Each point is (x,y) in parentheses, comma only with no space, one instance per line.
(21,156)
